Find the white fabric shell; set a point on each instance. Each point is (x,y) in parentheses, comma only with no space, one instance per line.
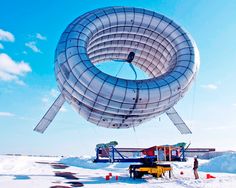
(166,54)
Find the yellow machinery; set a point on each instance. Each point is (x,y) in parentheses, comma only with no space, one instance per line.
(156,170)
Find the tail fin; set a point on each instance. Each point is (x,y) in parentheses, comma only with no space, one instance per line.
(50,114)
(177,121)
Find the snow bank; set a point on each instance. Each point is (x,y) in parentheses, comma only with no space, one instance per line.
(83,162)
(210,155)
(225,163)
(23,164)
(28,172)
(87,163)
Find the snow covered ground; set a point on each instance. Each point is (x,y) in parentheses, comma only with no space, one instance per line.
(34,172)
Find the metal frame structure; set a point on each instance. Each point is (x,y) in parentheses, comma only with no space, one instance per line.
(113,154)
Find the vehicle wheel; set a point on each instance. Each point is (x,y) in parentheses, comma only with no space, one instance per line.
(138,175)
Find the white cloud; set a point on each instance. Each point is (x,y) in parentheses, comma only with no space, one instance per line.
(11,70)
(234,104)
(63,109)
(45,99)
(54,93)
(20,82)
(6,36)
(40,37)
(6,114)
(219,128)
(210,86)
(1,46)
(32,46)
(50,96)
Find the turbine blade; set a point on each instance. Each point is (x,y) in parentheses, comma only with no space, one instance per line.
(177,121)
(50,114)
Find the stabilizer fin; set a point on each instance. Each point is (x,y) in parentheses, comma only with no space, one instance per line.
(50,114)
(178,121)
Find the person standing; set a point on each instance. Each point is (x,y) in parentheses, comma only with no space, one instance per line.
(195,167)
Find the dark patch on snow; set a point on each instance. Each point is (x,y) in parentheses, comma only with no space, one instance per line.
(75,184)
(66,175)
(60,186)
(59,166)
(54,165)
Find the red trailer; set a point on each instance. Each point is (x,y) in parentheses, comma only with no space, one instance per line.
(163,153)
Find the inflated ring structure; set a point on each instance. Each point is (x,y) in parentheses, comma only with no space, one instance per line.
(166,54)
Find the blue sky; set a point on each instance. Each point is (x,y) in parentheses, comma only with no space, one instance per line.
(29,32)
